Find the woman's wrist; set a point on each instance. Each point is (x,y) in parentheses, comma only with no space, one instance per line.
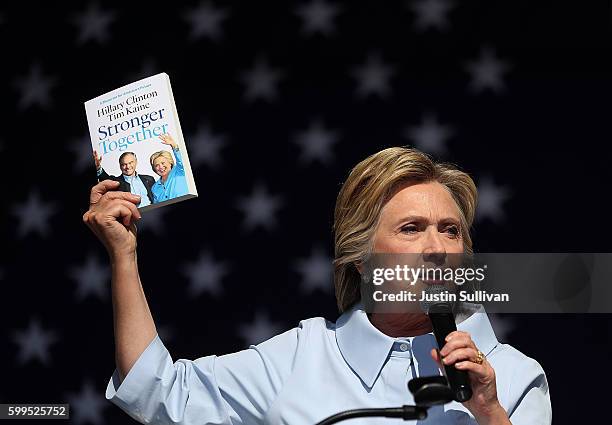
(122,259)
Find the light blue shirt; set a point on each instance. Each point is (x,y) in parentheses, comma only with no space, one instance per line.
(137,187)
(175,185)
(315,370)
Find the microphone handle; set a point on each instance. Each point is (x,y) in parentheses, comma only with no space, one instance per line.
(443,322)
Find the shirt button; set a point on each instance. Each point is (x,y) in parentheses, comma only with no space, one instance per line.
(403,346)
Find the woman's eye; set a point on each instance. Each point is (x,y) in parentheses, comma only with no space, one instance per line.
(410,228)
(452,230)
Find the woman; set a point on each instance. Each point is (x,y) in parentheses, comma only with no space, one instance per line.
(172,182)
(397,200)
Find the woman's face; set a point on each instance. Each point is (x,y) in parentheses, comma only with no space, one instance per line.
(420,218)
(162,166)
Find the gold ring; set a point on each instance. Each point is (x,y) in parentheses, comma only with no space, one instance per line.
(479,357)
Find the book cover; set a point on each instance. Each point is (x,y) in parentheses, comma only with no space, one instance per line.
(137,141)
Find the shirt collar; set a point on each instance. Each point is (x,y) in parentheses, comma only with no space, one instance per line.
(366,349)
(363,347)
(132,177)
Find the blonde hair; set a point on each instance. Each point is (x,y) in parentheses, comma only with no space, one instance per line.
(165,154)
(361,199)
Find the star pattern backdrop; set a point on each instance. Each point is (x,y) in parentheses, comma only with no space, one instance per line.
(278,100)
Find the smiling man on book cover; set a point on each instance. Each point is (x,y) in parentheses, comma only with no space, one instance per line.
(129,180)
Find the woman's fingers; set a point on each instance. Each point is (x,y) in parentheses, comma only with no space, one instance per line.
(456,334)
(457,340)
(111,216)
(114,210)
(123,211)
(107,202)
(460,354)
(134,212)
(463,360)
(480,370)
(100,189)
(127,196)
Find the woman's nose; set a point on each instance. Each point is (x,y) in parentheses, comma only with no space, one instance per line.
(433,249)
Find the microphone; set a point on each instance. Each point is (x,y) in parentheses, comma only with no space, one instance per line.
(443,322)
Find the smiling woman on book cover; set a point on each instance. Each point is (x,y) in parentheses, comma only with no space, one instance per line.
(172,182)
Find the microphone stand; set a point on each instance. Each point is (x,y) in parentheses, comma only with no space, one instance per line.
(405,412)
(427,391)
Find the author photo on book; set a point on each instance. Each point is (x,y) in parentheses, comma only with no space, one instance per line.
(397,200)
(172,181)
(129,180)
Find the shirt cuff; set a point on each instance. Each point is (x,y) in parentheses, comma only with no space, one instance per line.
(142,376)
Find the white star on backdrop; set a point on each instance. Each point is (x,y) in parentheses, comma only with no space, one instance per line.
(502,325)
(83,155)
(259,330)
(205,275)
(152,221)
(316,271)
(87,406)
(34,215)
(34,343)
(259,208)
(373,77)
(206,21)
(431,14)
(317,17)
(35,88)
(205,147)
(92,278)
(487,72)
(491,198)
(430,136)
(261,81)
(316,143)
(93,24)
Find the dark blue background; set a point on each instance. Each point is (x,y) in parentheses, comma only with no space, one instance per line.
(545,138)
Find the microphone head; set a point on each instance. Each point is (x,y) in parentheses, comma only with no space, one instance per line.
(433,295)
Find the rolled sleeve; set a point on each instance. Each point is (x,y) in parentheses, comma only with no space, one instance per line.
(157,391)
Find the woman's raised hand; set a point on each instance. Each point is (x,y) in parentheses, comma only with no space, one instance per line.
(111,216)
(168,140)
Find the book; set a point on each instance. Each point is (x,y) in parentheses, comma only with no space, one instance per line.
(137,140)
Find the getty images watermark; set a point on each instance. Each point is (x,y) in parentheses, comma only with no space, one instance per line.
(501,282)
(449,278)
